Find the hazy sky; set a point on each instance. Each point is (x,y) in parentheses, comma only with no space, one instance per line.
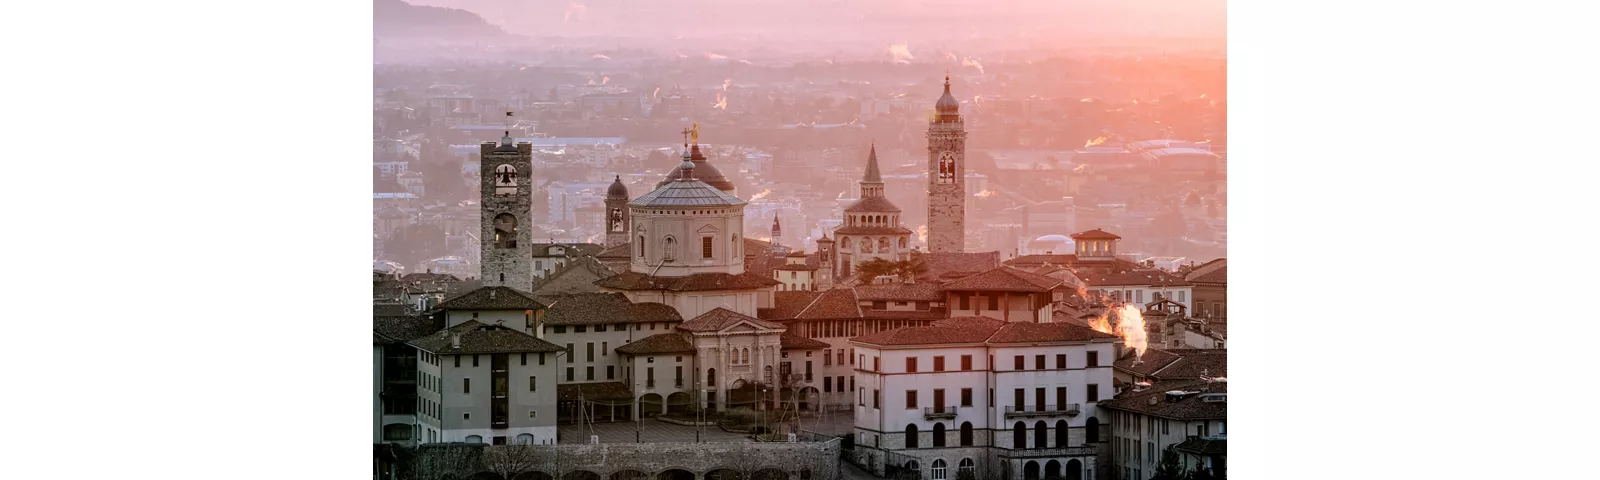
(931,23)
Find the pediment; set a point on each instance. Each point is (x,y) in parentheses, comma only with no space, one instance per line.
(708,229)
(745,326)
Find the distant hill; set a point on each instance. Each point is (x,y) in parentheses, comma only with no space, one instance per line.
(395,19)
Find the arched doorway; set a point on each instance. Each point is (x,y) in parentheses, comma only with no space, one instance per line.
(966,434)
(1091,430)
(938,434)
(1061,433)
(911,435)
(1030,471)
(678,403)
(650,405)
(675,474)
(809,398)
(1019,436)
(1074,470)
(1041,435)
(629,475)
(1052,470)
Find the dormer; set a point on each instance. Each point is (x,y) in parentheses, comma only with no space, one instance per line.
(1095,245)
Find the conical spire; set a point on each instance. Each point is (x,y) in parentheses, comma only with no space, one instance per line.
(872,174)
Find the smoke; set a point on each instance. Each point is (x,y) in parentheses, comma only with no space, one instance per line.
(967,62)
(722,102)
(761,195)
(922,233)
(901,52)
(715,57)
(574,10)
(655,94)
(950,56)
(985,193)
(599,56)
(725,83)
(604,80)
(524,67)
(1130,326)
(1202,96)
(977,100)
(1099,140)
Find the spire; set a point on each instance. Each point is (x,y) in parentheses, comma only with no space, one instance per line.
(872,175)
(777,228)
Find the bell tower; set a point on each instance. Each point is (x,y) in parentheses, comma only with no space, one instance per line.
(617,217)
(947,166)
(506,191)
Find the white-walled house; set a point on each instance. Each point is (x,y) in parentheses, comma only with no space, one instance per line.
(1141,286)
(486,383)
(971,391)
(1188,416)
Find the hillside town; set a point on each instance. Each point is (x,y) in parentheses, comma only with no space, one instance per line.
(667,320)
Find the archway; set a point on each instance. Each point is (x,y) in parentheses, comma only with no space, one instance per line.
(1030,471)
(678,403)
(581,475)
(533,476)
(1091,430)
(1019,436)
(808,398)
(966,434)
(629,475)
(1074,470)
(675,474)
(1061,433)
(770,474)
(1041,435)
(1052,470)
(938,434)
(722,474)
(650,405)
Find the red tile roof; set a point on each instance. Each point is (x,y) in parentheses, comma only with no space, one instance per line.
(1151,277)
(796,342)
(1016,332)
(1096,234)
(900,292)
(691,283)
(720,318)
(661,343)
(492,298)
(941,265)
(1003,279)
(948,331)
(838,303)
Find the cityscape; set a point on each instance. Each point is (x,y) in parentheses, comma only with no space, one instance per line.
(749,257)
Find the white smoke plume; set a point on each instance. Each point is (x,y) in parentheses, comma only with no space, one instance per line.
(574,10)
(968,62)
(901,52)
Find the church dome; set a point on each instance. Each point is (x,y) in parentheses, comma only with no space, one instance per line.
(947,106)
(703,171)
(617,190)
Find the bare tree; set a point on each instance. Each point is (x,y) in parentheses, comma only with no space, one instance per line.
(555,461)
(508,461)
(744,461)
(446,462)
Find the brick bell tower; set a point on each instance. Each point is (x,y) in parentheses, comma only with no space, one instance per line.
(947,185)
(617,213)
(506,190)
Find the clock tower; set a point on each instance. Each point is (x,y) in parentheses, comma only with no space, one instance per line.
(506,189)
(947,185)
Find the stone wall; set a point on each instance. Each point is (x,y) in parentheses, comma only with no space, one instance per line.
(796,460)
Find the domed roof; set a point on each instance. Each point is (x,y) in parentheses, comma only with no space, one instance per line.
(617,190)
(947,104)
(703,171)
(1053,238)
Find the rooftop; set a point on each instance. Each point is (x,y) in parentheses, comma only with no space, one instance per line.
(721,318)
(661,343)
(1003,279)
(603,308)
(479,338)
(691,283)
(492,298)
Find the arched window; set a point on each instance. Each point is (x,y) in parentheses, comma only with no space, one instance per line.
(1041,435)
(505,231)
(866,245)
(883,245)
(1091,430)
(474,439)
(939,470)
(641,246)
(525,439)
(912,466)
(669,248)
(844,242)
(947,167)
(711,377)
(911,435)
(1019,436)
(1052,470)
(744,356)
(1061,434)
(966,434)
(938,434)
(505,180)
(967,469)
(903,243)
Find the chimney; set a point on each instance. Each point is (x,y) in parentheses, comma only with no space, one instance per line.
(455,340)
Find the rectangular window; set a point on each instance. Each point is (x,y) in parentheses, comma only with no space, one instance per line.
(852,383)
(1094,392)
(911,399)
(1016,363)
(841,356)
(524,359)
(1061,397)
(611,372)
(876,367)
(705,247)
(466,386)
(590,348)
(911,364)
(581,328)
(588,373)
(1038,362)
(474,360)
(966,397)
(875,404)
(533,384)
(1018,397)
(966,363)
(963,298)
(1038,399)
(458,360)
(650,376)
(938,364)
(1181,296)
(561,329)
(1093,360)
(569,352)
(1164,426)
(569,374)
(600,327)
(994,303)
(827,385)
(1061,360)
(604,347)
(880,305)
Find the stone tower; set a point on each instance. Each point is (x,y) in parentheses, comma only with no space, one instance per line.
(777,234)
(947,185)
(825,265)
(617,217)
(506,186)
(871,228)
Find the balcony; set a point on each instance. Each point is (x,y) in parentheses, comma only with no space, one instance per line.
(1049,410)
(1078,451)
(931,413)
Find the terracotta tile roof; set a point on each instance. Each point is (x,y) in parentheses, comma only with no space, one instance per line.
(1036,260)
(604,307)
(392,310)
(901,292)
(1150,276)
(948,331)
(1155,401)
(479,338)
(873,204)
(929,314)
(1219,275)
(405,328)
(943,265)
(1003,279)
(832,304)
(1204,446)
(865,230)
(691,283)
(1176,363)
(1017,332)
(720,318)
(572,392)
(492,298)
(797,267)
(622,251)
(670,342)
(571,249)
(1096,234)
(789,304)
(796,342)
